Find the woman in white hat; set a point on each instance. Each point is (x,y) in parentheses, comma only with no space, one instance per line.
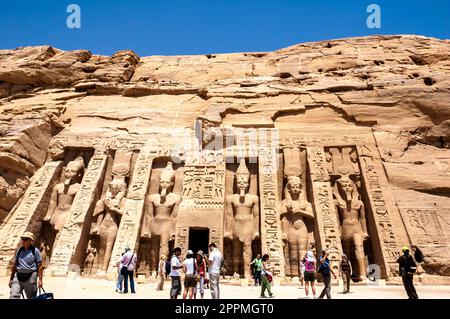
(189,269)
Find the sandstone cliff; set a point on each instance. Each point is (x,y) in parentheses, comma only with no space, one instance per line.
(398,86)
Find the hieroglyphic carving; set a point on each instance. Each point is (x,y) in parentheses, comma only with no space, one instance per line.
(28,213)
(69,245)
(383,223)
(129,228)
(327,229)
(424,227)
(204,181)
(271,240)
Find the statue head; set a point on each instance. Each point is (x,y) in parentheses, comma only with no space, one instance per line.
(346,185)
(294,185)
(74,168)
(166,179)
(116,186)
(242,178)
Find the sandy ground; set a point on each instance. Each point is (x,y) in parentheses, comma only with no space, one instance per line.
(80,288)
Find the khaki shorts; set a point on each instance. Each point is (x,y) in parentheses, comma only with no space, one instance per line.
(189,281)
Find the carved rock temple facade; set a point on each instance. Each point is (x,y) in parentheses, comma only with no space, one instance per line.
(154,153)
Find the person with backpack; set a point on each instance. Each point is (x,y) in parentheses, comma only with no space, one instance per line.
(161,271)
(407,268)
(27,271)
(326,271)
(257,265)
(189,277)
(309,262)
(128,261)
(346,273)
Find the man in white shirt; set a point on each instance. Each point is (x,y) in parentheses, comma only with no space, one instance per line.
(175,265)
(215,263)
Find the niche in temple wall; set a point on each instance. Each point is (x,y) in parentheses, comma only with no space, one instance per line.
(158,227)
(296,211)
(242,238)
(62,195)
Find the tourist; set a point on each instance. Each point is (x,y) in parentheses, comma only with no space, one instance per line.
(175,266)
(161,272)
(189,270)
(346,273)
(129,261)
(257,266)
(215,261)
(326,271)
(26,274)
(266,277)
(119,283)
(309,262)
(200,269)
(407,268)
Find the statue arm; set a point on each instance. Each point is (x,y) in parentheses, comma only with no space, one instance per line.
(173,217)
(255,211)
(362,217)
(52,204)
(228,217)
(98,214)
(148,216)
(284,220)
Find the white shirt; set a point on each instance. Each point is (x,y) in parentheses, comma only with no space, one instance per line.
(174,261)
(216,257)
(189,264)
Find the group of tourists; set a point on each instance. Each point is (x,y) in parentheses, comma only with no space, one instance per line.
(198,272)
(201,271)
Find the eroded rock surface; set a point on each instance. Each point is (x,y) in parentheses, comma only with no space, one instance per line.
(397,87)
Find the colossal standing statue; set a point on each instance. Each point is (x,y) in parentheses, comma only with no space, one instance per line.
(242,220)
(63,195)
(353,225)
(160,216)
(108,212)
(295,213)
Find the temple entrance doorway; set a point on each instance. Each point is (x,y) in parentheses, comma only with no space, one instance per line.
(198,239)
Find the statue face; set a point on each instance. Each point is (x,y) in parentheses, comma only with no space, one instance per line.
(295,188)
(242,183)
(347,186)
(71,170)
(164,184)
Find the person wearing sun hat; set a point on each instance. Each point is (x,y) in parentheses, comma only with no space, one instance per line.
(26,274)
(407,268)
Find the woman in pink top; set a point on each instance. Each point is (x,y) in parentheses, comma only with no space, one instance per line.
(310,273)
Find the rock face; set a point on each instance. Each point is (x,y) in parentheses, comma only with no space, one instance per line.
(374,109)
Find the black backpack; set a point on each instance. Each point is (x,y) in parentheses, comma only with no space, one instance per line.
(418,256)
(167,266)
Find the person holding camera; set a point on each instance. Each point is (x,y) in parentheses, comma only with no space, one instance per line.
(326,271)
(346,273)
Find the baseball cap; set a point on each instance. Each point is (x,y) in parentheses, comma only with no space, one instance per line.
(27,235)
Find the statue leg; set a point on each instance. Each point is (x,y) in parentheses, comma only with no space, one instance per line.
(359,254)
(154,250)
(108,251)
(101,254)
(286,258)
(247,257)
(163,249)
(293,258)
(236,255)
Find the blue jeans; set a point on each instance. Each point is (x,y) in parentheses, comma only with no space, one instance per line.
(119,282)
(129,274)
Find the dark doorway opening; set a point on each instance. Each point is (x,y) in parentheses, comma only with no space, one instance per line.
(198,239)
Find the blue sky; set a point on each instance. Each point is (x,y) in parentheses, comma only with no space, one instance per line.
(170,27)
